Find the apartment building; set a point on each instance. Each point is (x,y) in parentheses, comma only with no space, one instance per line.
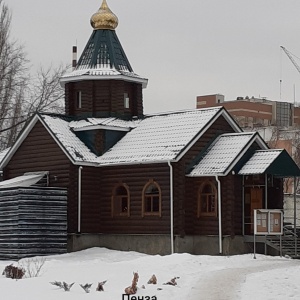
(255,112)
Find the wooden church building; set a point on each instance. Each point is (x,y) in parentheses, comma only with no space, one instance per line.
(185,181)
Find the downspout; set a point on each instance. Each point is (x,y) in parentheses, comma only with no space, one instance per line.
(243,205)
(266,191)
(79,199)
(220,214)
(171,208)
(295,214)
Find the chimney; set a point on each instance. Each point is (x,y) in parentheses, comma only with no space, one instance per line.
(74,57)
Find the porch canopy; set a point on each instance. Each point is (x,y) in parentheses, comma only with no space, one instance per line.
(276,162)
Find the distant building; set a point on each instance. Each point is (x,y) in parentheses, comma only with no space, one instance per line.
(276,121)
(255,112)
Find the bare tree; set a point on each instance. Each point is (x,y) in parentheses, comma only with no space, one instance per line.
(22,95)
(13,79)
(45,92)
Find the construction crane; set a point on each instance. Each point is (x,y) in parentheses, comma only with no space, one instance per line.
(290,56)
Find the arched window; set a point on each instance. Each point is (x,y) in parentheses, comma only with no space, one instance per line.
(121,201)
(151,199)
(207,200)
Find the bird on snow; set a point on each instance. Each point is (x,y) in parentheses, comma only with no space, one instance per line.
(67,287)
(86,287)
(100,286)
(57,283)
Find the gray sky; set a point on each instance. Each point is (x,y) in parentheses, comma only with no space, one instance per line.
(185,48)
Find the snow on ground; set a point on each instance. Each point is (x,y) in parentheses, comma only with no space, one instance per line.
(201,277)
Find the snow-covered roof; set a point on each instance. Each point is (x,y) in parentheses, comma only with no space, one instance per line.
(155,138)
(27,179)
(102,73)
(223,154)
(159,137)
(73,146)
(105,123)
(260,161)
(103,58)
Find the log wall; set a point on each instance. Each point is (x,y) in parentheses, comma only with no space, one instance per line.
(98,188)
(104,98)
(188,222)
(39,152)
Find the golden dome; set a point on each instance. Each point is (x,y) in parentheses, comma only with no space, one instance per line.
(104,18)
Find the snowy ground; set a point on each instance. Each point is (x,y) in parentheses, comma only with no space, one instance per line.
(201,277)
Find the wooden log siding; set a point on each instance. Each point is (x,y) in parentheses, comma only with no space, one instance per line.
(90,197)
(39,152)
(194,225)
(104,98)
(97,197)
(187,204)
(33,221)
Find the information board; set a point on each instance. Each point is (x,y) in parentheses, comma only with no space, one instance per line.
(268,222)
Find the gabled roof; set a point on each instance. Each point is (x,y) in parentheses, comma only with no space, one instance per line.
(103,58)
(273,161)
(164,137)
(58,128)
(75,149)
(154,139)
(224,153)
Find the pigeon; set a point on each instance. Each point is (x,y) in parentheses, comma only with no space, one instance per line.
(172,281)
(57,283)
(67,287)
(100,286)
(86,287)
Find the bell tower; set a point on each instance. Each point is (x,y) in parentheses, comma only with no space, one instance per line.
(103,83)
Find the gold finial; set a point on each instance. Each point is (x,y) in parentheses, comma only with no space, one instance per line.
(104,18)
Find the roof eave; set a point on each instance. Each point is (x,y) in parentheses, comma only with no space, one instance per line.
(206,175)
(94,127)
(133,163)
(66,79)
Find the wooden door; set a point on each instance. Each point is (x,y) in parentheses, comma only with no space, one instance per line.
(256,202)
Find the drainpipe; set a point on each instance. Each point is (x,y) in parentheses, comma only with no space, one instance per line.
(295,214)
(243,205)
(171,208)
(266,191)
(79,199)
(220,215)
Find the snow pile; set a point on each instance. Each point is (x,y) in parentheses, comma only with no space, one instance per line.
(198,277)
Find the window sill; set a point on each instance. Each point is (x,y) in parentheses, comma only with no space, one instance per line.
(158,214)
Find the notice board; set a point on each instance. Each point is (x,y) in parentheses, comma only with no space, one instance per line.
(268,222)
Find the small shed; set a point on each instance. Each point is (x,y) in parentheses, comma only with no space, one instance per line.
(33,221)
